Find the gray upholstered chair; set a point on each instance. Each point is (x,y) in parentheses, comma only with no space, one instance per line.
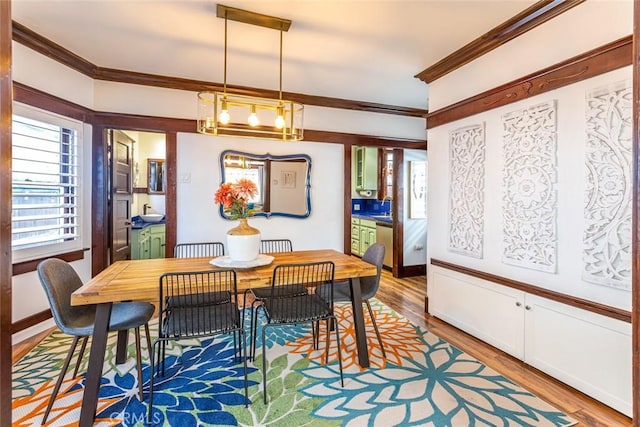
(195,250)
(368,285)
(60,280)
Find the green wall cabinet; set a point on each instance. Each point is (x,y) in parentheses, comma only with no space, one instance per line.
(366,168)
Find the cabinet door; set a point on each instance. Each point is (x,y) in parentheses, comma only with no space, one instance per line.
(366,168)
(355,246)
(157,245)
(490,312)
(364,239)
(359,167)
(145,244)
(585,350)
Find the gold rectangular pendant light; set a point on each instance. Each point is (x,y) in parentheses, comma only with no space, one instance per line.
(226,113)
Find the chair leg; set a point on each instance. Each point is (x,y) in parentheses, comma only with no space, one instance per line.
(244,359)
(254,330)
(83,346)
(139,363)
(375,328)
(146,329)
(244,305)
(264,362)
(151,376)
(339,354)
(326,353)
(60,378)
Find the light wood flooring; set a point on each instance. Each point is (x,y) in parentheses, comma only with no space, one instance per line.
(406,296)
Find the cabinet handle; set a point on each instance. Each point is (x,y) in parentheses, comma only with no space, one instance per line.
(527,307)
(518,304)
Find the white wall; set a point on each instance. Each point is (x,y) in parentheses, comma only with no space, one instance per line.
(591,25)
(199,218)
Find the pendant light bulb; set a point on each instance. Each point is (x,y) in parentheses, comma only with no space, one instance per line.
(253,118)
(280,119)
(224,117)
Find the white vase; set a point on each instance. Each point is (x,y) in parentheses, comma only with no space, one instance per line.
(243,242)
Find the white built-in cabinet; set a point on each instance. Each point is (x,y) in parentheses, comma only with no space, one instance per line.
(585,350)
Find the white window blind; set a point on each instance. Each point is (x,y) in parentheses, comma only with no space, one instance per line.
(45,174)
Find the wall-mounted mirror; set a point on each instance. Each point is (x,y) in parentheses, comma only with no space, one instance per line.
(155,176)
(283,182)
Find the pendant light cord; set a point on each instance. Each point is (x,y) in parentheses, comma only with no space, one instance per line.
(280,66)
(225,53)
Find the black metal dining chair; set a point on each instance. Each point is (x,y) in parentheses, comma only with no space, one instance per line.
(282,307)
(193,319)
(60,280)
(196,250)
(259,294)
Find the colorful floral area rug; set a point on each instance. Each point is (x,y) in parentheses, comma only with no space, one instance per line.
(424,381)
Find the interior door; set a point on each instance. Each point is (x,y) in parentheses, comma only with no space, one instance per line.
(121,194)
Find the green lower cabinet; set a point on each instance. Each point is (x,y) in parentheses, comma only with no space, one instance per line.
(148,242)
(140,243)
(157,241)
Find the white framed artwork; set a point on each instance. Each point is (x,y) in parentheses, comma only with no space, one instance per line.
(466,190)
(529,177)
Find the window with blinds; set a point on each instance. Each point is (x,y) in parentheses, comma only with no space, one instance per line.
(45,184)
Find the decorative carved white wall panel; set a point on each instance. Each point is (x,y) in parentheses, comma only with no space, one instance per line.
(607,210)
(529,195)
(466,190)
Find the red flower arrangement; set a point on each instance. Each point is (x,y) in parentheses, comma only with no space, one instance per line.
(234,198)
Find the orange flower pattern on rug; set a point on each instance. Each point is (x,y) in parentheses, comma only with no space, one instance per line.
(399,336)
(66,410)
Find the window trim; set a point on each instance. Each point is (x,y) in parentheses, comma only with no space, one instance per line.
(20,255)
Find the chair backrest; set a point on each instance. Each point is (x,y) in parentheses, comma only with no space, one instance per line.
(208,302)
(291,281)
(196,250)
(373,255)
(275,245)
(60,280)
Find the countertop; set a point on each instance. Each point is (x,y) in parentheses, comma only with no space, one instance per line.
(383,220)
(137,223)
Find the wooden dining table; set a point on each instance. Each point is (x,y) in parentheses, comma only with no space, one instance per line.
(138,280)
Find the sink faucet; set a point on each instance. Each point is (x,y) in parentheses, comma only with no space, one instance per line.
(145,208)
(387,198)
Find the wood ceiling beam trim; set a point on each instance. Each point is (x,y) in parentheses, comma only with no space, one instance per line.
(46,47)
(603,59)
(537,14)
(35,41)
(37,98)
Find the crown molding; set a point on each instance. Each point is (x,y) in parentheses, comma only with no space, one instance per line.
(29,38)
(537,14)
(603,59)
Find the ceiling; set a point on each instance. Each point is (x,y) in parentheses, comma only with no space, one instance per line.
(351,49)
